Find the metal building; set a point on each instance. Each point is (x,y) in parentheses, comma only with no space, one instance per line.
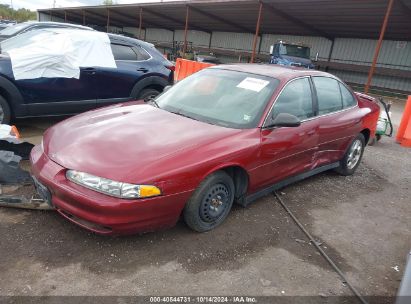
(344,33)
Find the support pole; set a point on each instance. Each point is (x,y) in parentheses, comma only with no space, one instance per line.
(65,16)
(108,19)
(84,17)
(185,33)
(377,49)
(257,30)
(140,24)
(51,15)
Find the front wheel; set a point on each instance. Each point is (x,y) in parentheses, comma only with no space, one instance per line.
(352,157)
(211,202)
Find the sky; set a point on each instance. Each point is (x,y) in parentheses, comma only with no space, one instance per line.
(38,4)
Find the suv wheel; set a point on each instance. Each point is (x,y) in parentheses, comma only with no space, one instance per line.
(148,94)
(5,113)
(210,203)
(352,157)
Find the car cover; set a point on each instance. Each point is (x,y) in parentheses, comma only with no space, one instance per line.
(61,53)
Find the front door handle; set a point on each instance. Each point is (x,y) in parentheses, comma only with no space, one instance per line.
(90,71)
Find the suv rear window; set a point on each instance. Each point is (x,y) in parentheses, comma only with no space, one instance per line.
(123,52)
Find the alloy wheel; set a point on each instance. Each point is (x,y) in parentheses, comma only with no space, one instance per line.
(354,154)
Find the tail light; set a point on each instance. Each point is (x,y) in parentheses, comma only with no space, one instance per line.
(171,67)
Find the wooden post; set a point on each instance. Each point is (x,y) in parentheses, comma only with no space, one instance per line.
(185,33)
(108,19)
(140,23)
(84,17)
(377,49)
(257,30)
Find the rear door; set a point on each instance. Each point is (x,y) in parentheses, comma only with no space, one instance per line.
(116,84)
(338,116)
(288,151)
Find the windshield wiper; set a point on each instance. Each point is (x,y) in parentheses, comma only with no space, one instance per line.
(153,102)
(184,115)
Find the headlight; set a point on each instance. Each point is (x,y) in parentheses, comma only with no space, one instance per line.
(110,187)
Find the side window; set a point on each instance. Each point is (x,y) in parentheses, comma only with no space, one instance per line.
(328,94)
(295,99)
(141,53)
(347,98)
(123,52)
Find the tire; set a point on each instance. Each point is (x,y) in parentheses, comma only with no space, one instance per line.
(352,157)
(5,113)
(210,204)
(147,94)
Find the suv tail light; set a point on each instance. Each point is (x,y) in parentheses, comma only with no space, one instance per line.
(171,67)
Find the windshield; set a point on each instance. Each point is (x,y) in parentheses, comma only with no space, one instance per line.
(295,50)
(222,97)
(24,39)
(11,30)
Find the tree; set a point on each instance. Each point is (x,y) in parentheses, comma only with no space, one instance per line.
(20,15)
(109,2)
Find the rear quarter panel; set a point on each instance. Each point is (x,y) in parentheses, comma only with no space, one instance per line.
(371,110)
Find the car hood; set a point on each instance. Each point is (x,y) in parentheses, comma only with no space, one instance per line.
(126,142)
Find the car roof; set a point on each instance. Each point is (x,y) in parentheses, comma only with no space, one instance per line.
(57,23)
(130,40)
(272,70)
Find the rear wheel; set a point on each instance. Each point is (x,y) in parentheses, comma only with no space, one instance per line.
(5,113)
(352,157)
(210,203)
(148,94)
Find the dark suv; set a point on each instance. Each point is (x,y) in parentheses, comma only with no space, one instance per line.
(142,72)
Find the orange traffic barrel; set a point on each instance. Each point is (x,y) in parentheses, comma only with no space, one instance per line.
(404,131)
(186,67)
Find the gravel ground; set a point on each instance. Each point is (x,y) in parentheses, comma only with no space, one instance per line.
(363,221)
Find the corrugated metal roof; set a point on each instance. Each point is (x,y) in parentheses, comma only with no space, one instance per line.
(326,18)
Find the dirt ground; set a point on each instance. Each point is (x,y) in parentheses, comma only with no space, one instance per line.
(364,222)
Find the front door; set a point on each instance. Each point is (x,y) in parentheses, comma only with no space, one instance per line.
(288,151)
(54,96)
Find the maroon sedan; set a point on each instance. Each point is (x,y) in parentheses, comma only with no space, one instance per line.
(230,133)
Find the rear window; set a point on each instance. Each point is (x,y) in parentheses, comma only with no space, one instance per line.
(141,53)
(328,94)
(123,52)
(347,98)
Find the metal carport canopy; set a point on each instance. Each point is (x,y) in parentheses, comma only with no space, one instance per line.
(326,18)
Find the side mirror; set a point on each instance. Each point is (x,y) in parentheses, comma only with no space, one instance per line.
(285,120)
(316,57)
(166,88)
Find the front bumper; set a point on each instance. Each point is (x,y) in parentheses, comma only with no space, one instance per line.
(101,213)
